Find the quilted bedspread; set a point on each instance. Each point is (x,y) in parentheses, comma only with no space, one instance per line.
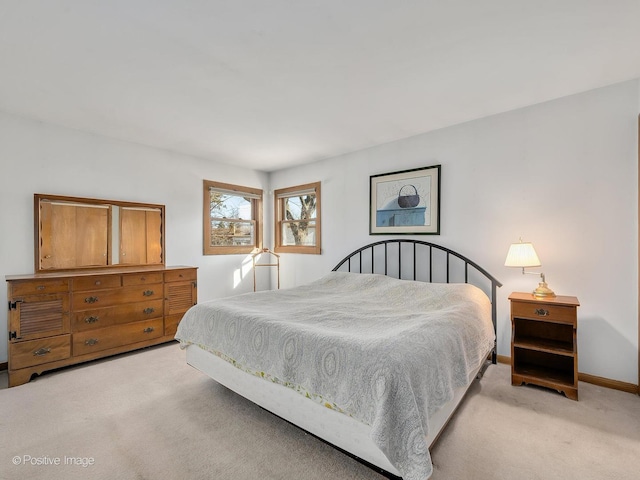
(387,352)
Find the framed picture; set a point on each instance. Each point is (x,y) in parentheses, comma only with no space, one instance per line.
(406,202)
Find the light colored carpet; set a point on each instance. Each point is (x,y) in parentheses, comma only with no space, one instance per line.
(147,415)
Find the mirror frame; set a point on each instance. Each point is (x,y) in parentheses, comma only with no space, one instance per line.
(38,198)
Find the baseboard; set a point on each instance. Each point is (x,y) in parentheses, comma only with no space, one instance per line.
(608,383)
(504,359)
(593,379)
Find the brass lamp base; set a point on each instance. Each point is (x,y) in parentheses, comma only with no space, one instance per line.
(543,291)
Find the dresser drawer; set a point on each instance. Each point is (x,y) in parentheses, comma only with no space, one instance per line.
(141,278)
(92,299)
(94,282)
(104,317)
(39,286)
(180,275)
(37,352)
(116,336)
(548,313)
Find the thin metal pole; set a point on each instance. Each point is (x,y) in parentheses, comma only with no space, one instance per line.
(447,268)
(373,270)
(414,261)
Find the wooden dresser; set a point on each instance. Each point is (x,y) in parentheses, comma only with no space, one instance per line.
(64,318)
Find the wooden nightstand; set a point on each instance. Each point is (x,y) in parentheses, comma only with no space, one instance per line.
(544,350)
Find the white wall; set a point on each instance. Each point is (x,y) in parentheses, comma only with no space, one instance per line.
(41,158)
(562,174)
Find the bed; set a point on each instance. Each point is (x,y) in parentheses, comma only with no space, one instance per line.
(373,357)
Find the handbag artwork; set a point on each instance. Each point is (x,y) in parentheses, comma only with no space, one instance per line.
(408,196)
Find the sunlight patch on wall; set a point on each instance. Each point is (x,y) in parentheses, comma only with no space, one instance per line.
(240,273)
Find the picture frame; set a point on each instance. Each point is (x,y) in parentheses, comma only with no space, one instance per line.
(405,202)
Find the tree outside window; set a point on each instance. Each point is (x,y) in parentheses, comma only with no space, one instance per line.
(298,219)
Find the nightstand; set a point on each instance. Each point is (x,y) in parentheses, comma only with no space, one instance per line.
(544,350)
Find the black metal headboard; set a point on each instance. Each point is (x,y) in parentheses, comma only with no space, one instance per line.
(424,261)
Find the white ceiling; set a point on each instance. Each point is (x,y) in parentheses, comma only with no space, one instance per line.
(273,83)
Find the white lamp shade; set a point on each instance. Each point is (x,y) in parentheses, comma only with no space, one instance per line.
(522,255)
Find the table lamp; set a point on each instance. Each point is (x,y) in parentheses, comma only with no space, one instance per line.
(523,255)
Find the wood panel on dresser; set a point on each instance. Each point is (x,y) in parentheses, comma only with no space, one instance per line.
(64,318)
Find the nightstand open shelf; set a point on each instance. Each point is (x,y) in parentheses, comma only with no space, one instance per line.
(546,377)
(544,336)
(544,347)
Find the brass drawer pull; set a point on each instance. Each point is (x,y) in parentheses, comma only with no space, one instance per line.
(40,287)
(91,319)
(91,299)
(41,352)
(147,293)
(149,310)
(541,312)
(148,330)
(91,342)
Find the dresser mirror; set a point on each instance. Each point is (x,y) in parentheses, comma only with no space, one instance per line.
(74,233)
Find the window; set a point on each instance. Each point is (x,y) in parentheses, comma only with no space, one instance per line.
(297,211)
(232,218)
